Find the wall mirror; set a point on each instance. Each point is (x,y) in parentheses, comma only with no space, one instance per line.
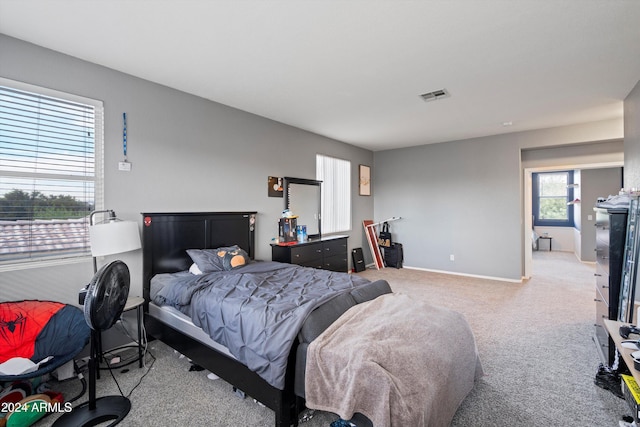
(303,198)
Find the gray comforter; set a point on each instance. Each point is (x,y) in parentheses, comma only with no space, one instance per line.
(257,310)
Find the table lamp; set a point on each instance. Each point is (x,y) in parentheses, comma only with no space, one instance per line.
(112,236)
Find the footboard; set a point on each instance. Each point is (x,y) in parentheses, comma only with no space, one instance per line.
(282,402)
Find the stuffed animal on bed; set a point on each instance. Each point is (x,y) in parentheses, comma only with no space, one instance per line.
(219,259)
(232,258)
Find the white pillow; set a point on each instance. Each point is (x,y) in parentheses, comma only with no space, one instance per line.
(194,269)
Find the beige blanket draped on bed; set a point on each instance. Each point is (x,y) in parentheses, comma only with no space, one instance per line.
(396,360)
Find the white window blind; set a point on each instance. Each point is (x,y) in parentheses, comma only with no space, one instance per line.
(50,172)
(335,175)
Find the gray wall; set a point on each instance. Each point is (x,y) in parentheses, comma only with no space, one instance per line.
(453,198)
(632,146)
(632,138)
(465,198)
(188,154)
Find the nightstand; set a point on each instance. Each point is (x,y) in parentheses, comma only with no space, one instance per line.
(137,303)
(132,302)
(549,238)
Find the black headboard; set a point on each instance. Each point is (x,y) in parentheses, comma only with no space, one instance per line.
(167,236)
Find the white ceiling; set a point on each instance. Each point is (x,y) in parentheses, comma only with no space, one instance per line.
(354,70)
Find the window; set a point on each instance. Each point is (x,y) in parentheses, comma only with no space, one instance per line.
(552,191)
(50,172)
(335,175)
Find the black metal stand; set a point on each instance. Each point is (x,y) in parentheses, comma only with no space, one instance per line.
(95,411)
(105,409)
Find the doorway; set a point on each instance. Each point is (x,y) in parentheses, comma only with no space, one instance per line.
(595,187)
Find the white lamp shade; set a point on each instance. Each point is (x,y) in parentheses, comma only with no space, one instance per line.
(114,237)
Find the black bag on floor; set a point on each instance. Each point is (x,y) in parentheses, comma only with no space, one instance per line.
(393,256)
(384,238)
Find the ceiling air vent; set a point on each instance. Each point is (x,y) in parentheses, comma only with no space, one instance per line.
(435,95)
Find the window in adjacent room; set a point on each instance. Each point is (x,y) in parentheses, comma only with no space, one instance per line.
(335,175)
(50,172)
(552,191)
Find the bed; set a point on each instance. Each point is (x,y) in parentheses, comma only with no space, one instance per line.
(242,296)
(166,239)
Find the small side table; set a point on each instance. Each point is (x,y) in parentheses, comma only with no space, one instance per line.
(132,302)
(137,302)
(549,238)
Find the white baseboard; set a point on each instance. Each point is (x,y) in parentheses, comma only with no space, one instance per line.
(453,273)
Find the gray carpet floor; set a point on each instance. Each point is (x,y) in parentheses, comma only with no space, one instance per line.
(534,339)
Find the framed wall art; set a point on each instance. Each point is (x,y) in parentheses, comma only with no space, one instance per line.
(274,186)
(365,180)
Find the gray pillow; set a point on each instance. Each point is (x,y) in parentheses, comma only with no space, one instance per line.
(219,259)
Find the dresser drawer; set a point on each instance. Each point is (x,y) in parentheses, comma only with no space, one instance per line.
(602,235)
(601,335)
(602,340)
(316,263)
(602,218)
(602,283)
(602,308)
(335,247)
(602,257)
(335,263)
(308,254)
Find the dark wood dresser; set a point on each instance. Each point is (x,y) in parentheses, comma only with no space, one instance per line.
(611,228)
(327,253)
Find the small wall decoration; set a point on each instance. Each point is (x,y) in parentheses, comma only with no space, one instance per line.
(274,186)
(365,180)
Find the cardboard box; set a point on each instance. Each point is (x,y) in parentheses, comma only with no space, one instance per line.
(631,392)
(287,230)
